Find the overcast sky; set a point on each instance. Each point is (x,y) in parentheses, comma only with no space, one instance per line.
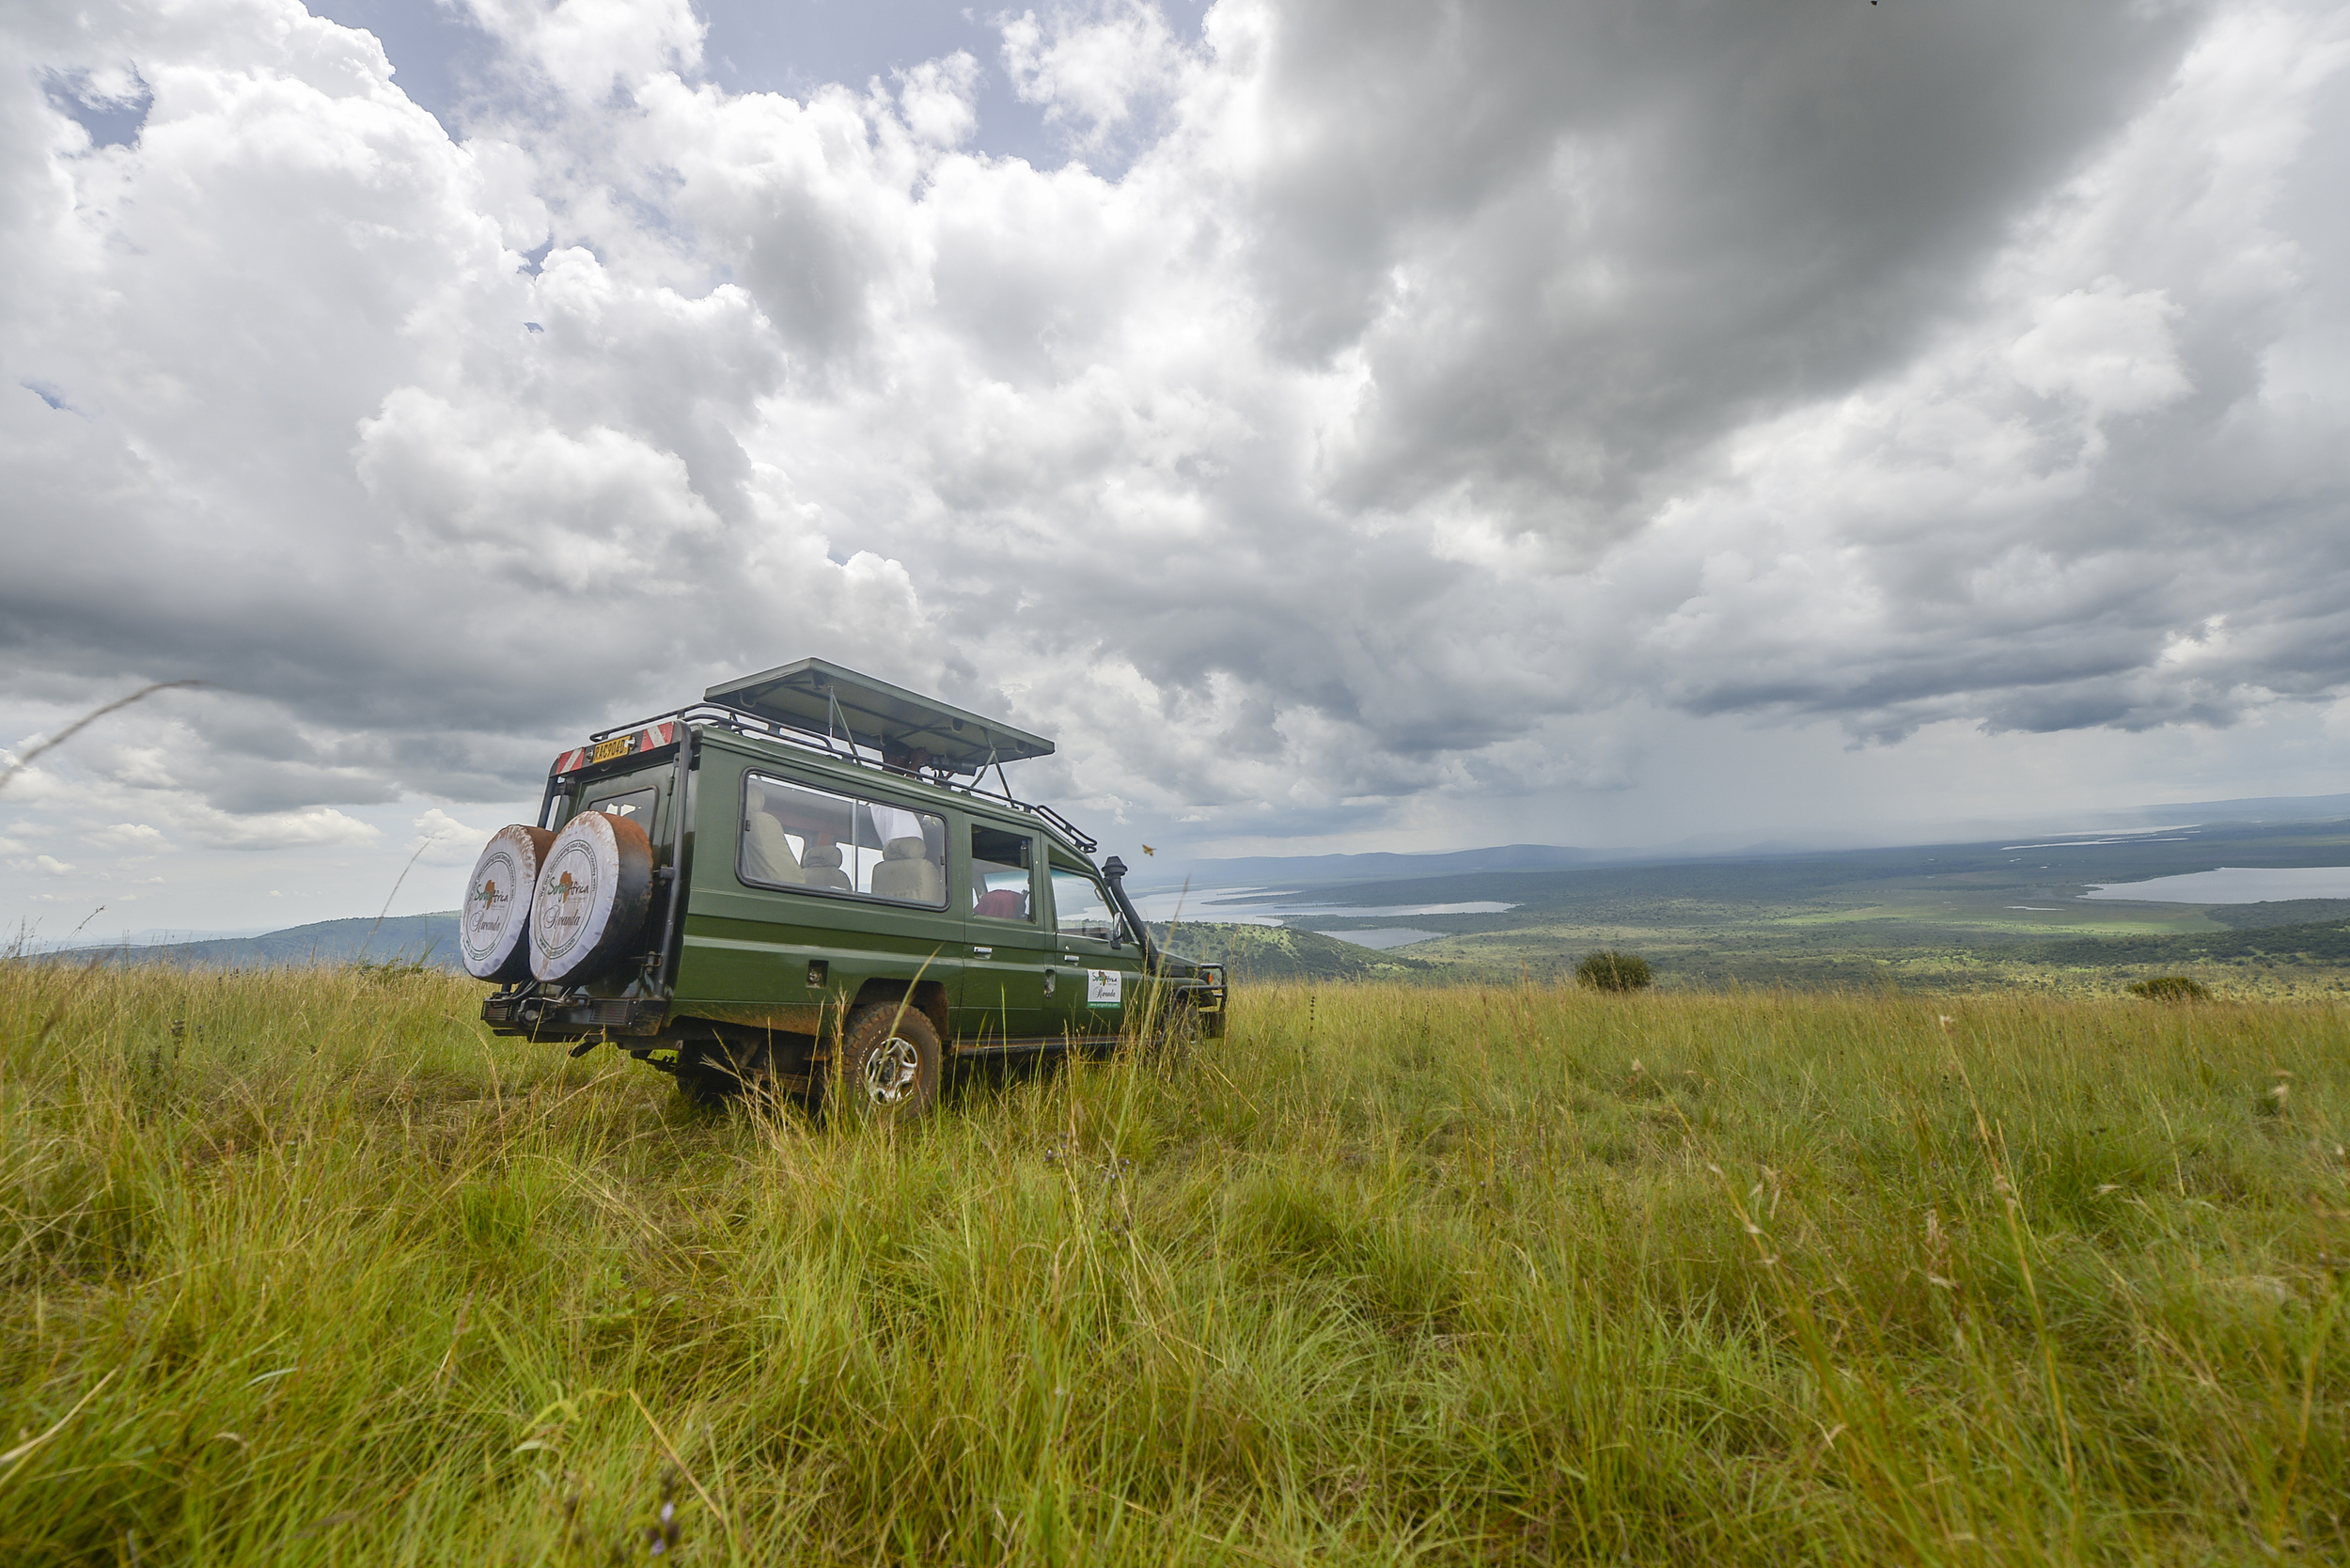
(1342,426)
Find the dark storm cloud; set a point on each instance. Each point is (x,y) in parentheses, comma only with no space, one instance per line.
(1620,229)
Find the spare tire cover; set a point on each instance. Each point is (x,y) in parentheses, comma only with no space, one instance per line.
(594,887)
(498,904)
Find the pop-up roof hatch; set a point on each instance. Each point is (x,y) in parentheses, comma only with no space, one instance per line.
(822,698)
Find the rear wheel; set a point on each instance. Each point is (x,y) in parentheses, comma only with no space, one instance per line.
(887,1064)
(713,1076)
(765,1072)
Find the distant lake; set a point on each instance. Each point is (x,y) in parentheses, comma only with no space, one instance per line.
(2234,884)
(1223,905)
(1384,936)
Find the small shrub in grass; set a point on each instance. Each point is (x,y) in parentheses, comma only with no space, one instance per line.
(2171,988)
(1610,970)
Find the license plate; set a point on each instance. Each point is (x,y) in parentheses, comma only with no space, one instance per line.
(616,747)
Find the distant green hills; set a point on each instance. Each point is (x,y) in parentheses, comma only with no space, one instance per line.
(1924,915)
(2327,941)
(429,939)
(1249,953)
(1284,953)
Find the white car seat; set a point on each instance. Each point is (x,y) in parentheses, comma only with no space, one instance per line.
(908,873)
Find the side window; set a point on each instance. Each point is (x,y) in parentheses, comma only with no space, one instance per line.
(1080,906)
(999,874)
(796,836)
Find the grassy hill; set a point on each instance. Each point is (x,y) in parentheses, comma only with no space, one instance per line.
(306,1269)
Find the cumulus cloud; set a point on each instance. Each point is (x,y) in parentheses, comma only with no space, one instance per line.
(118,781)
(445,840)
(1096,69)
(129,838)
(1387,402)
(282,829)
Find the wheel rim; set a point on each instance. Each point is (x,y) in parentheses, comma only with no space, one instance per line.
(890,1072)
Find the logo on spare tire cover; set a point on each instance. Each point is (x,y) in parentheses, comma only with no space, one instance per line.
(490,904)
(567,895)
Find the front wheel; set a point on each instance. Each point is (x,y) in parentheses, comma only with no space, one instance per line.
(1173,1035)
(887,1064)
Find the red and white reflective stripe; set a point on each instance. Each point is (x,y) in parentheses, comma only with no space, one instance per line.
(642,740)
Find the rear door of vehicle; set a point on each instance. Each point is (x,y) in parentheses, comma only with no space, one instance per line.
(641,797)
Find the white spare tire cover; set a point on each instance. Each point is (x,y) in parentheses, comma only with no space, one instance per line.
(594,889)
(498,904)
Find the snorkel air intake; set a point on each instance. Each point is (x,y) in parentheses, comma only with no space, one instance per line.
(1114,870)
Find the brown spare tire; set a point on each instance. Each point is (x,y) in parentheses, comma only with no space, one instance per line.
(594,889)
(498,904)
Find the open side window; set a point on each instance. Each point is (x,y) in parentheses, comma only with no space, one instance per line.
(1002,874)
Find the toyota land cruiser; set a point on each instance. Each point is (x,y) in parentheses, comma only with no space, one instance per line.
(801,883)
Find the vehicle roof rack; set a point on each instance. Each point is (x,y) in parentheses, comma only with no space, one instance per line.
(818,697)
(746,722)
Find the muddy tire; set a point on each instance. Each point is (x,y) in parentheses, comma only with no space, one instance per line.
(595,888)
(492,938)
(1173,1036)
(886,1066)
(767,1074)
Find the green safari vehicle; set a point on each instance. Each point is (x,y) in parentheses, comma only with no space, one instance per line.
(801,884)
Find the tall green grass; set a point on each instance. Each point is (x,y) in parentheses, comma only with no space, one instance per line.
(301,1267)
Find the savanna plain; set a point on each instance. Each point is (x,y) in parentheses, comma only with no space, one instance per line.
(302,1267)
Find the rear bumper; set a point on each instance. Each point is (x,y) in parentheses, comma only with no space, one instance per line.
(519,1013)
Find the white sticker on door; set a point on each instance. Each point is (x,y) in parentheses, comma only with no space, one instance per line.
(1105,987)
